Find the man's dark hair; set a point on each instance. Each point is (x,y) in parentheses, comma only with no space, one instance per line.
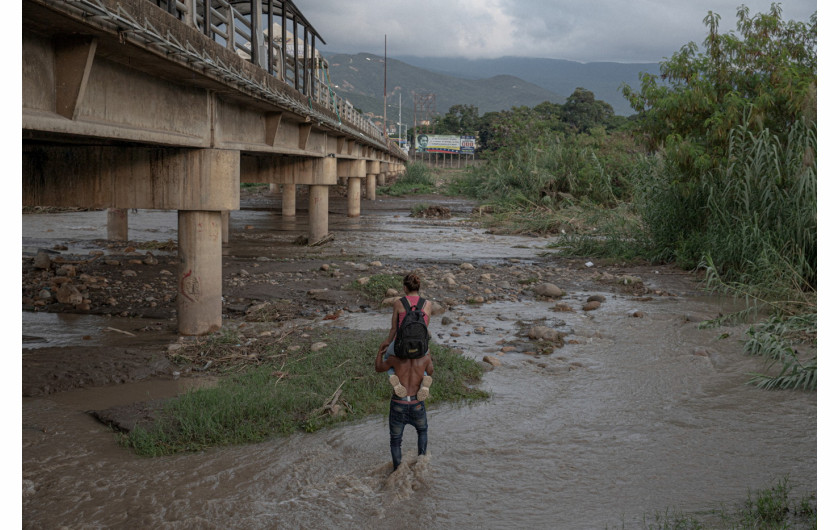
(411,282)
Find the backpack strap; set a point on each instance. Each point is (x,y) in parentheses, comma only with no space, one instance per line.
(421,302)
(405,304)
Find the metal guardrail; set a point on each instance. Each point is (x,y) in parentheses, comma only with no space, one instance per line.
(290,56)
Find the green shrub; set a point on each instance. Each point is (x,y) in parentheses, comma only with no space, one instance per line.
(418,178)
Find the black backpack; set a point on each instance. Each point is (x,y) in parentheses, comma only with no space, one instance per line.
(412,340)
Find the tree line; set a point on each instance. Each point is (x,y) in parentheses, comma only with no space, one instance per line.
(716,171)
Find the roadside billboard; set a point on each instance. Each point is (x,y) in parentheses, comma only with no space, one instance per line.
(430,143)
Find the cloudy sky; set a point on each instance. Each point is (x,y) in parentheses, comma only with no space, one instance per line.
(577,30)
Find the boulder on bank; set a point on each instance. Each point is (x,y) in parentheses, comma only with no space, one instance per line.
(549,290)
(544,333)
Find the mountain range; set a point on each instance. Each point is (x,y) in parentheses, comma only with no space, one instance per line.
(489,84)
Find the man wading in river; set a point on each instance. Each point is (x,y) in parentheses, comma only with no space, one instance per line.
(408,409)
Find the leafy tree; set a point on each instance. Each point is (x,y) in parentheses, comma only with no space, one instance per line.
(768,76)
(583,112)
(461,119)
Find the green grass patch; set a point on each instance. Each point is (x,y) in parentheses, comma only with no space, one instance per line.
(154,244)
(419,207)
(294,393)
(378,285)
(768,508)
(417,179)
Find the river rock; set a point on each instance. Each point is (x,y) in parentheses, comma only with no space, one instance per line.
(565,308)
(392,292)
(503,285)
(592,305)
(45,294)
(59,280)
(389,301)
(437,309)
(318,346)
(112,262)
(375,263)
(637,314)
(544,333)
(128,273)
(150,259)
(597,298)
(549,290)
(165,272)
(42,260)
(475,300)
(467,266)
(445,321)
(66,270)
(486,277)
(68,294)
(493,361)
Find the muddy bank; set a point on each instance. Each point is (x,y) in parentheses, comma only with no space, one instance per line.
(628,409)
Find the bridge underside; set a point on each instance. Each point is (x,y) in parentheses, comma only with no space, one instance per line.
(111,121)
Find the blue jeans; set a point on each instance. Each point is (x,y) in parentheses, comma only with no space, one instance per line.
(411,414)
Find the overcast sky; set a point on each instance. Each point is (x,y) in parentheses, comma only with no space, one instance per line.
(576,30)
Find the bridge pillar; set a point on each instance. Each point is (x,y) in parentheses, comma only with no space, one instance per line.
(371,170)
(117,224)
(273,188)
(355,172)
(380,179)
(225,222)
(199,272)
(354,197)
(319,174)
(319,206)
(289,199)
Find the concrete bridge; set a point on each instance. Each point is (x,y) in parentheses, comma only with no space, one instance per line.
(171,104)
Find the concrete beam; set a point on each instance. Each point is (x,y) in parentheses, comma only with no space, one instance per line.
(131,177)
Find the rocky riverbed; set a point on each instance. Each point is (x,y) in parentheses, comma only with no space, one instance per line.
(608,401)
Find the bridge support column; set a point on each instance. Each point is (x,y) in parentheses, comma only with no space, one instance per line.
(354,197)
(319,197)
(117,224)
(225,222)
(199,272)
(371,170)
(289,200)
(273,188)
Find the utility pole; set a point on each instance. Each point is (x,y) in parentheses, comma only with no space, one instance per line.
(385,94)
(400,123)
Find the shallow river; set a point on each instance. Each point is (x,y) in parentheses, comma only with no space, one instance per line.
(623,423)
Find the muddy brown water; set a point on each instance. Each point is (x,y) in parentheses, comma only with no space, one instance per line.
(625,420)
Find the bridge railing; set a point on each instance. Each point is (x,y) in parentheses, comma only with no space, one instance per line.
(279,40)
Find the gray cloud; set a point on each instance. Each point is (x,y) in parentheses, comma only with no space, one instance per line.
(592,30)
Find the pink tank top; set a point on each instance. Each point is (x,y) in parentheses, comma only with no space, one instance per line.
(412,300)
